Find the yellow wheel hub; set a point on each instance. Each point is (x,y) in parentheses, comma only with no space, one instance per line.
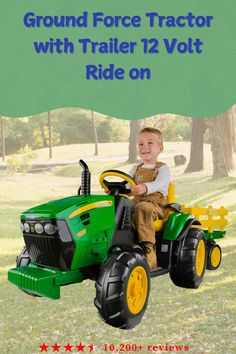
(200,258)
(215,257)
(137,290)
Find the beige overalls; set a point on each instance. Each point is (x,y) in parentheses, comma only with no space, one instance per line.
(148,207)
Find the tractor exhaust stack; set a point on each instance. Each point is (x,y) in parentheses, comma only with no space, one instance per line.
(85,187)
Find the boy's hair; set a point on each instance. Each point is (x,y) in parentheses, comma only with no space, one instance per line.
(152,130)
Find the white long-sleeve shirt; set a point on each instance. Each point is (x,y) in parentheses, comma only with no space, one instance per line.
(161,183)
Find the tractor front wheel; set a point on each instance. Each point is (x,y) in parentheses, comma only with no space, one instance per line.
(21,261)
(189,260)
(122,289)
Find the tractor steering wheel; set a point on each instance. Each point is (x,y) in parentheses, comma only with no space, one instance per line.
(116,188)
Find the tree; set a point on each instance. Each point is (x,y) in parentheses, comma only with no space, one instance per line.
(18,134)
(196,152)
(228,139)
(233,112)
(135,126)
(221,134)
(3,139)
(42,124)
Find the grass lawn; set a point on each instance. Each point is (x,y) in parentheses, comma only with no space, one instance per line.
(203,319)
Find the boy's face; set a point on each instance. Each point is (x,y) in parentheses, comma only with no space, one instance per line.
(149,147)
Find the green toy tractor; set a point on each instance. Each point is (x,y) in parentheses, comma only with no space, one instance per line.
(91,237)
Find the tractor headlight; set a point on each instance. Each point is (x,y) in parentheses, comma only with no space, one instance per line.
(26,227)
(50,229)
(38,228)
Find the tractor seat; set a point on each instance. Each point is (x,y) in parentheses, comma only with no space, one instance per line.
(159,224)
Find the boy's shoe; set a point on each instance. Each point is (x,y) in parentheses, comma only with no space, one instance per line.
(150,253)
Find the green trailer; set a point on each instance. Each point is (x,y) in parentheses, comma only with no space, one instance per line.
(92,237)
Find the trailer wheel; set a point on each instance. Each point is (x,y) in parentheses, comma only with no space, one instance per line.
(21,261)
(189,260)
(122,289)
(214,255)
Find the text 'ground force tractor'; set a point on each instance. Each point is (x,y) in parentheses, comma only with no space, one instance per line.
(91,237)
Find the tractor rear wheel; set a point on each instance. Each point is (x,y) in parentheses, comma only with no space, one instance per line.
(122,289)
(189,260)
(21,261)
(214,255)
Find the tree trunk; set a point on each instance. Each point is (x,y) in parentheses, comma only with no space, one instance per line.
(216,129)
(234,127)
(135,126)
(196,152)
(3,139)
(228,138)
(50,134)
(95,133)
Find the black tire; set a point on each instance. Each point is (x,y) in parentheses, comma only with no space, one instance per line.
(214,255)
(21,261)
(114,298)
(188,266)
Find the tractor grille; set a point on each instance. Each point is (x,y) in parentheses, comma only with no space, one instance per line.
(54,251)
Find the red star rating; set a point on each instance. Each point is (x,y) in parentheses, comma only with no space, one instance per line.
(80,347)
(91,348)
(43,348)
(68,347)
(56,347)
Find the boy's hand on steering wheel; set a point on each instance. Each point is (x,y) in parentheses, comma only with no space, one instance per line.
(139,189)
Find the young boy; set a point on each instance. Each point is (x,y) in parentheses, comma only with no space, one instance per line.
(150,193)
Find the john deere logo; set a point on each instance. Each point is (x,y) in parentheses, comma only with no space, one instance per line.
(32,228)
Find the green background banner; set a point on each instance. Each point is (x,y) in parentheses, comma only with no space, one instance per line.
(197,84)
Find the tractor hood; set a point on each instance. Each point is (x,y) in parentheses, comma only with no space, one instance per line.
(66,207)
(53,208)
